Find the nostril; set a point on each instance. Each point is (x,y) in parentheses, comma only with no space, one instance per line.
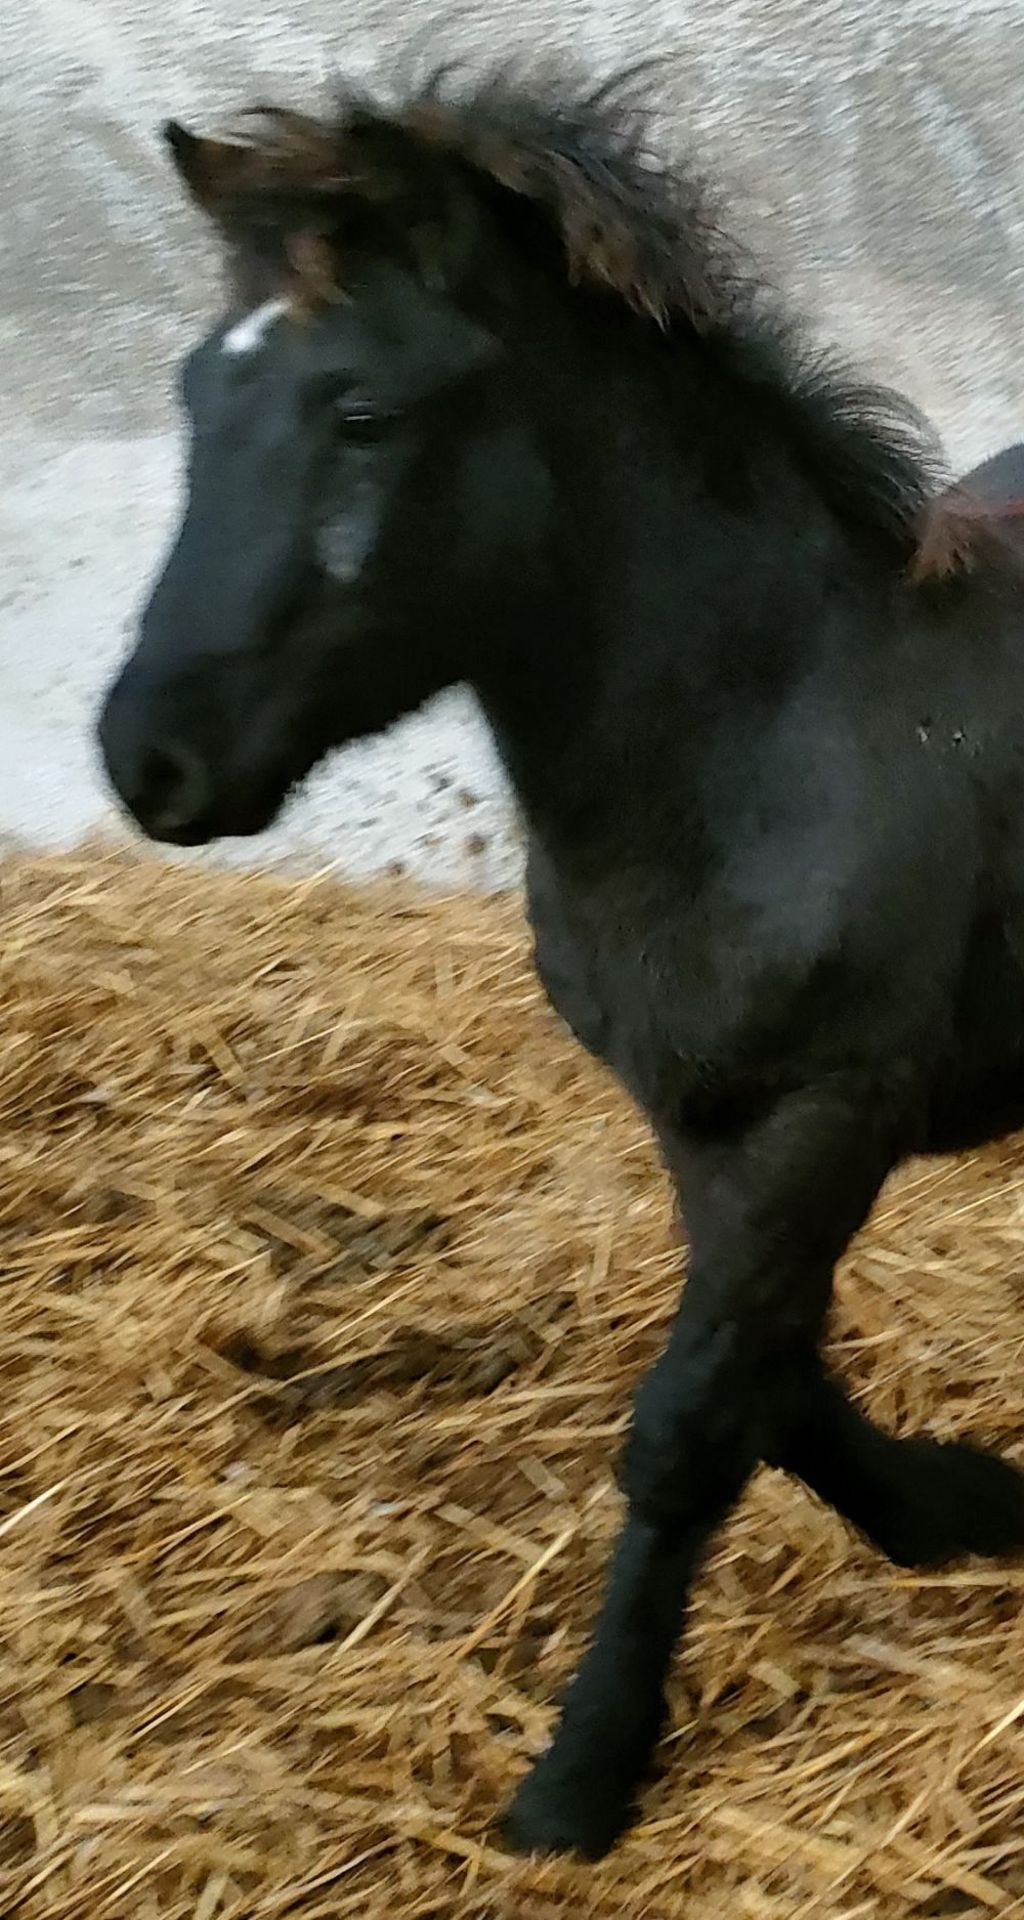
(175,787)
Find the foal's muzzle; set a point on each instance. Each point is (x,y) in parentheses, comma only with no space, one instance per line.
(175,777)
(163,780)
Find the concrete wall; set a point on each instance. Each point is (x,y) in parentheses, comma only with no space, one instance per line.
(876,153)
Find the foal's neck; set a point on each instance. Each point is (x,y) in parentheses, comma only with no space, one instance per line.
(696,583)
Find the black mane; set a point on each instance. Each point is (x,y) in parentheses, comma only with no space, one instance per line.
(649,231)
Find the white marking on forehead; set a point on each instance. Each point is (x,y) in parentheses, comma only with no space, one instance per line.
(248,333)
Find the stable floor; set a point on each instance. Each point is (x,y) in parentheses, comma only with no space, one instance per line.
(328,1268)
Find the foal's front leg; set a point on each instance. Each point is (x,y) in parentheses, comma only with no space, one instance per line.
(767,1217)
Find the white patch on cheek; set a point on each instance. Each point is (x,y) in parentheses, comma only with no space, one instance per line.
(347,542)
(248,334)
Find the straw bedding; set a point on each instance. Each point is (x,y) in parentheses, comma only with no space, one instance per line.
(328,1268)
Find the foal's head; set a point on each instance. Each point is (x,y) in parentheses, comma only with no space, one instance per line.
(364,492)
(448,328)
(373,509)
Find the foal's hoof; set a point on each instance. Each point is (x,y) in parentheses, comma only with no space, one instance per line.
(558,1812)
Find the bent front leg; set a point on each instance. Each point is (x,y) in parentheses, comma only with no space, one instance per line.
(768,1216)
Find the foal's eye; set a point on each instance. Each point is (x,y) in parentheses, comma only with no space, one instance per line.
(360,421)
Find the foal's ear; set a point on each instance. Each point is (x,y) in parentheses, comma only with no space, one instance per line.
(427,199)
(210,169)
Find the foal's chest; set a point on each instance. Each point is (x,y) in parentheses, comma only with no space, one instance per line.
(593,962)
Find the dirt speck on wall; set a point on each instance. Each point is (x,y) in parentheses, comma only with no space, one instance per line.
(875,153)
